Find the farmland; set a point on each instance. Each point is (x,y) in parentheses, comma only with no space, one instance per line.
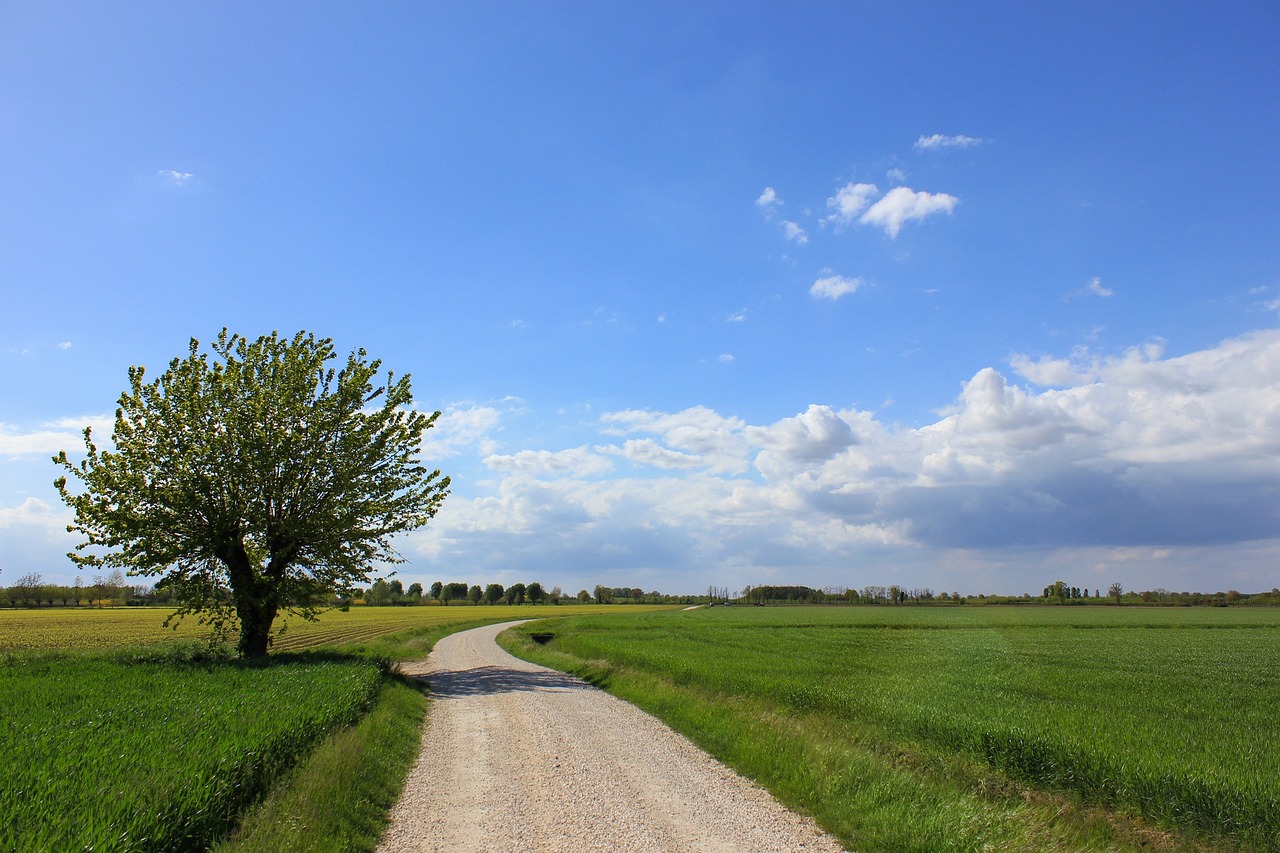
(91,628)
(116,736)
(944,728)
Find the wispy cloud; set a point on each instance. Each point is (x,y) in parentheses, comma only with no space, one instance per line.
(726,358)
(794,232)
(738,316)
(174,178)
(834,286)
(939,141)
(768,201)
(1093,288)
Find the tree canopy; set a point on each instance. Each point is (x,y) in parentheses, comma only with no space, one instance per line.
(259,480)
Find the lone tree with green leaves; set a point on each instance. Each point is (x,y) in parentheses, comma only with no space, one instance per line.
(257,481)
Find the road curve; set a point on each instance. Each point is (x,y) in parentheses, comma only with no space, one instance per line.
(518,757)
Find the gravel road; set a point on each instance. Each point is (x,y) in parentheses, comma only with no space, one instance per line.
(517,757)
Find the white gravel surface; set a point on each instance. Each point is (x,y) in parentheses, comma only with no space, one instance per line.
(518,757)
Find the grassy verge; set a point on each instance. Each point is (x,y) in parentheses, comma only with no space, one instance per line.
(338,799)
(863,778)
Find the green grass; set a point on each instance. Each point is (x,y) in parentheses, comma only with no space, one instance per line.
(116,736)
(338,799)
(158,753)
(953,728)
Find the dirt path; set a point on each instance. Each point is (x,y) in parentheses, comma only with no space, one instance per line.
(517,757)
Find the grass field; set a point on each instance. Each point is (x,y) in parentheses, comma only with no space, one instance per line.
(90,628)
(934,728)
(116,736)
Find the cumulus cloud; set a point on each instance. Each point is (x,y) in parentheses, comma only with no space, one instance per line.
(834,286)
(939,141)
(1093,288)
(850,201)
(854,202)
(768,201)
(49,438)
(902,204)
(794,232)
(576,462)
(465,428)
(1134,453)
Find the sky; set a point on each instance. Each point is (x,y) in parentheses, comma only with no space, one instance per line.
(972,297)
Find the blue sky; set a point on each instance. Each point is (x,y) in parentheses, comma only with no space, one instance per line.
(968,297)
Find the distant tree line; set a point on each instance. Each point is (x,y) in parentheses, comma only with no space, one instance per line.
(31,591)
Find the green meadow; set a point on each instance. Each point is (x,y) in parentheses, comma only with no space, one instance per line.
(118,735)
(967,728)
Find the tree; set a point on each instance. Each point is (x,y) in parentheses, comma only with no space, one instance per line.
(475,593)
(515,593)
(493,593)
(583,596)
(435,589)
(535,593)
(265,476)
(415,592)
(1115,591)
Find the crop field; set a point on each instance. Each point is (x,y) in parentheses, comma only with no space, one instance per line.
(156,755)
(1169,714)
(91,628)
(116,737)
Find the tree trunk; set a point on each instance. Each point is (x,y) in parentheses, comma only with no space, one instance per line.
(257,613)
(256,598)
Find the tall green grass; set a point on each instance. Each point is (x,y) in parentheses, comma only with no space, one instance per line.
(1167,714)
(161,752)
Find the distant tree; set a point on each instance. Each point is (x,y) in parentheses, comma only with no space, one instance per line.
(396,589)
(515,593)
(266,473)
(493,593)
(555,595)
(414,592)
(475,593)
(457,591)
(436,588)
(602,594)
(535,593)
(79,588)
(1115,591)
(379,595)
(445,595)
(584,597)
(27,589)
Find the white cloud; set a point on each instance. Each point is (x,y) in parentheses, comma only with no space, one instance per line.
(576,462)
(849,201)
(465,428)
(896,176)
(726,358)
(738,316)
(64,345)
(768,201)
(1138,463)
(940,141)
(174,178)
(834,286)
(1093,288)
(63,434)
(902,204)
(794,232)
